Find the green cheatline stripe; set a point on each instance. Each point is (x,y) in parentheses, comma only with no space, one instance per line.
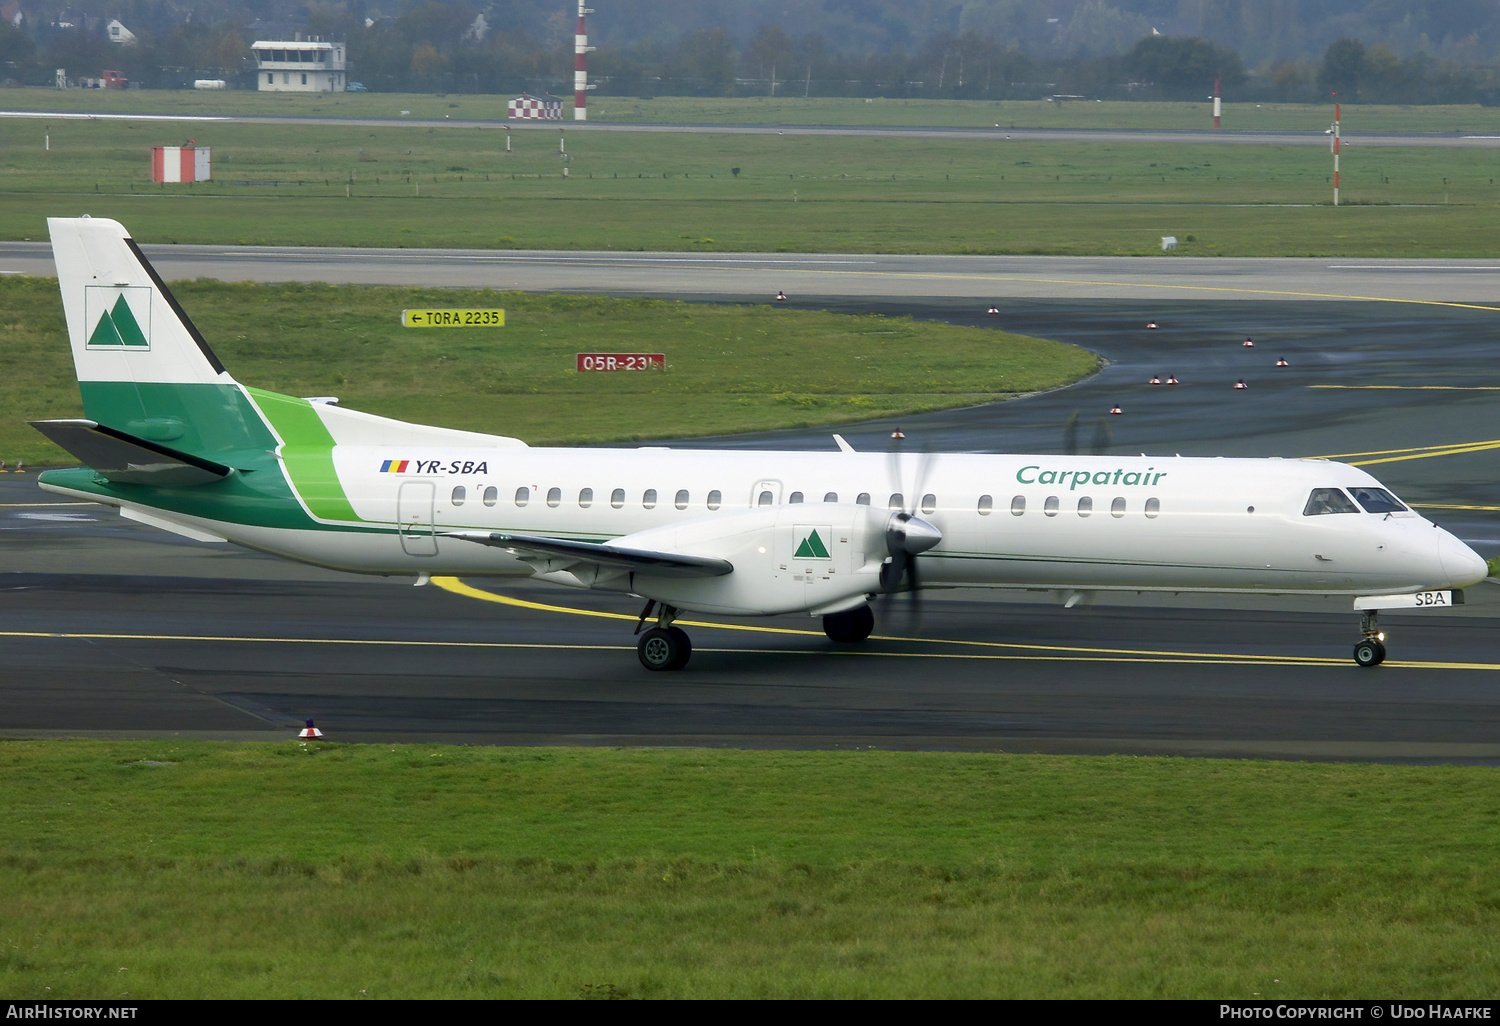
(307,454)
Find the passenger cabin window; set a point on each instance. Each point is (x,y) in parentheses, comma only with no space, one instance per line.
(649,498)
(681,502)
(586,498)
(863,499)
(986,505)
(617,498)
(523,495)
(491,495)
(897,501)
(460,493)
(794,497)
(764,499)
(831,497)
(1085,506)
(1153,507)
(1377,500)
(1117,508)
(554,497)
(1328,500)
(715,499)
(1018,506)
(929,504)
(1050,506)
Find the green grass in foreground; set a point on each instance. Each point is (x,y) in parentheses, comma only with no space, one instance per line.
(160,869)
(416,186)
(729,368)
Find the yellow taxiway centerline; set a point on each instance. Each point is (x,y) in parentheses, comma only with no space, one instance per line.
(1446,505)
(1418,453)
(1058,653)
(1102,656)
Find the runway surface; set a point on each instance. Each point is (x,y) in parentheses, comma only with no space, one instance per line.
(114,629)
(1464,140)
(833,276)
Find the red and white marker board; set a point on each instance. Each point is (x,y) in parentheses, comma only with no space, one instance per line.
(621,361)
(180,164)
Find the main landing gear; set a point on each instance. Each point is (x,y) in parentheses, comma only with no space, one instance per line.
(851,626)
(663,647)
(1371,648)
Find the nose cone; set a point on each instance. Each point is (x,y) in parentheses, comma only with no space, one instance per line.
(1463,565)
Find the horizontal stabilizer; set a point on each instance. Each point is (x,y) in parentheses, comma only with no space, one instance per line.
(609,556)
(126,459)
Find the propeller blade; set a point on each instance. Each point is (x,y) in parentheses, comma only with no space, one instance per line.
(1070,435)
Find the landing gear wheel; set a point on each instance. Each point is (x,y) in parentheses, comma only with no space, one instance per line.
(851,626)
(664,648)
(1369,653)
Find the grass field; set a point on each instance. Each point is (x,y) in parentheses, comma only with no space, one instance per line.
(782,110)
(422,187)
(728,368)
(161,870)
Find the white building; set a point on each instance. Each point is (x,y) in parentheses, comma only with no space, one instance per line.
(299,66)
(118,33)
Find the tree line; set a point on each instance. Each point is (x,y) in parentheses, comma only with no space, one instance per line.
(447,46)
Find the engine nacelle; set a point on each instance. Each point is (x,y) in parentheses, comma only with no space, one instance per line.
(809,557)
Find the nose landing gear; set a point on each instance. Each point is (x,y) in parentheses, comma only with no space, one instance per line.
(1371,648)
(663,647)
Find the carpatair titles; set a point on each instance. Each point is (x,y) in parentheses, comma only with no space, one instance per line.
(1077,478)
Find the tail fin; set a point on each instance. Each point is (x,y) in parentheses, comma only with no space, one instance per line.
(142,366)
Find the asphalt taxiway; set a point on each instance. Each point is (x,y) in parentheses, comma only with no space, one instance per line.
(113,629)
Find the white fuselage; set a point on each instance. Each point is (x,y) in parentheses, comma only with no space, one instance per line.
(1078,522)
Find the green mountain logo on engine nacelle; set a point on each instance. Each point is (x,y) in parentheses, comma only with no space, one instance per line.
(811,544)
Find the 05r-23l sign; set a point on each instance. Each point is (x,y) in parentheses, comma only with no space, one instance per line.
(621,361)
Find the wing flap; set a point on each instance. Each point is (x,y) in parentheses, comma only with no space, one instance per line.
(606,556)
(126,459)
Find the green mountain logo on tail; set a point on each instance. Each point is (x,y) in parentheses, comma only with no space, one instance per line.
(812,545)
(116,325)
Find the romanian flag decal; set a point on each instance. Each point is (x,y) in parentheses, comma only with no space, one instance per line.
(394,466)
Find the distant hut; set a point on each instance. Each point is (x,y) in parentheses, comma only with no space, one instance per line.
(537,108)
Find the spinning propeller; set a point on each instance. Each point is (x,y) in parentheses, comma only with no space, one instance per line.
(906,534)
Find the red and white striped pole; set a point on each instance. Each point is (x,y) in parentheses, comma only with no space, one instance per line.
(1216,102)
(1335,151)
(580,69)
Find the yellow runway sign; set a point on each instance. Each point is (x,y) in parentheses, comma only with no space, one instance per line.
(453,318)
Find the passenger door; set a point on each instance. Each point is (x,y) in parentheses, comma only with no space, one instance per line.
(414,517)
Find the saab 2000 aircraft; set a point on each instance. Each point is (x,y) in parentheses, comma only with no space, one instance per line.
(173,441)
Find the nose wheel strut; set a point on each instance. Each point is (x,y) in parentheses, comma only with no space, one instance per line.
(1371,648)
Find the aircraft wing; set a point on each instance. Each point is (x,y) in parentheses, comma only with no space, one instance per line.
(559,554)
(126,459)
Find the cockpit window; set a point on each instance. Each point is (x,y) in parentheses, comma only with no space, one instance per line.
(1328,500)
(1377,500)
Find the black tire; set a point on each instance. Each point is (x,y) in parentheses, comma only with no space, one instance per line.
(685,648)
(667,649)
(1369,653)
(851,626)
